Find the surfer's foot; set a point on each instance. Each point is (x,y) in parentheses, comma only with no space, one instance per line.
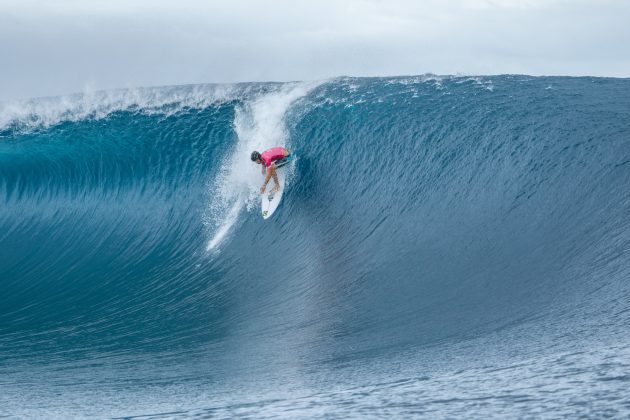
(274,190)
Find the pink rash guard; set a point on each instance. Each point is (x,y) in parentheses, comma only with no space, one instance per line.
(271,155)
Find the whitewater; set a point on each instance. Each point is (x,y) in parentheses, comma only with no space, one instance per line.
(447,246)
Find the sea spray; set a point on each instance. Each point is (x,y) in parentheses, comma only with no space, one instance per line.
(259,125)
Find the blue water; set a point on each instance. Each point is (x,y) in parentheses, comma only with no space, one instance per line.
(446,247)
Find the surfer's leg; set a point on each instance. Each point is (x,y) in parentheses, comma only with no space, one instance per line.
(274,174)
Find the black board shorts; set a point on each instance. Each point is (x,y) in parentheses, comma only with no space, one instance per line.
(284,160)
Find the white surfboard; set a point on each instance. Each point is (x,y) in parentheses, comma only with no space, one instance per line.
(270,201)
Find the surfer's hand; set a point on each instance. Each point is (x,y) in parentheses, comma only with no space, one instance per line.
(262,189)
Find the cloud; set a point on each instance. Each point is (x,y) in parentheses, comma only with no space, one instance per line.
(58,47)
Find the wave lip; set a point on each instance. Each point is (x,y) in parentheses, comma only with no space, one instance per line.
(46,112)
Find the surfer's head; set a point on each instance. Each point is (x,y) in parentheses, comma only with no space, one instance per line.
(255,156)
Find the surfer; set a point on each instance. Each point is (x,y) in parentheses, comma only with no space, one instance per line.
(271,160)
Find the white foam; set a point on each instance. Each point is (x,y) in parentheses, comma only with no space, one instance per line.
(45,112)
(259,124)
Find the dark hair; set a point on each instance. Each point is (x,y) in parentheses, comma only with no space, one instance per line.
(255,156)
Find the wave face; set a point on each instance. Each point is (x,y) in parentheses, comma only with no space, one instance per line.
(434,230)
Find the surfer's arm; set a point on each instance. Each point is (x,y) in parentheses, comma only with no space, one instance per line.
(270,172)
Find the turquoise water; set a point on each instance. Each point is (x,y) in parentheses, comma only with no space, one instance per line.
(446,246)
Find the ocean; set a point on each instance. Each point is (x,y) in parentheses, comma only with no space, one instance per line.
(446,247)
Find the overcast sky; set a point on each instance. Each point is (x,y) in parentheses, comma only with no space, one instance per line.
(55,47)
